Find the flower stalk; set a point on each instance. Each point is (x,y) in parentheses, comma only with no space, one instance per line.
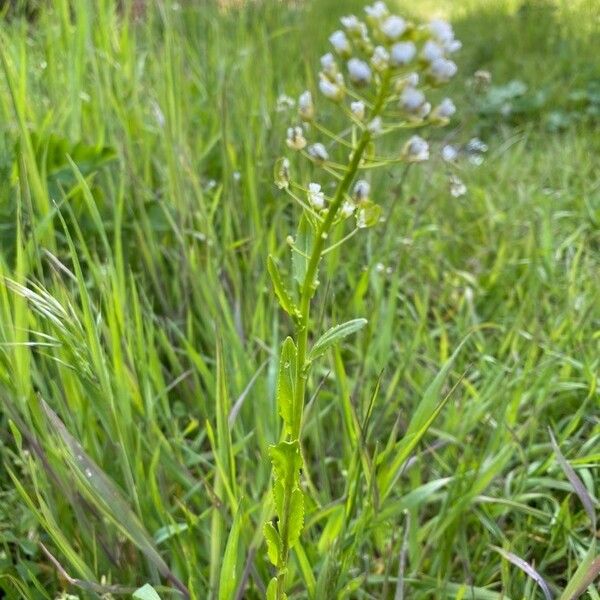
(387,64)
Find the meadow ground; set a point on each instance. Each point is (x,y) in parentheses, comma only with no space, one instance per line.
(137,209)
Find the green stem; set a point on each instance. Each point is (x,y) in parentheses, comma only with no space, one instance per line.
(309,287)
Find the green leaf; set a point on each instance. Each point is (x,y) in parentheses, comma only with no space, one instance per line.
(335,334)
(273,542)
(278,495)
(272,589)
(228,579)
(296,522)
(285,300)
(285,382)
(146,592)
(303,247)
(286,460)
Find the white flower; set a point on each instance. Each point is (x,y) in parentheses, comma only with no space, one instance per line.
(449,153)
(393,27)
(444,110)
(359,71)
(284,102)
(282,173)
(442,31)
(380,59)
(318,152)
(354,26)
(328,64)
(413,101)
(351,22)
(331,90)
(358,109)
(402,53)
(416,149)
(362,189)
(315,196)
(340,43)
(378,11)
(457,186)
(410,81)
(431,51)
(306,108)
(375,126)
(476,146)
(295,138)
(482,77)
(442,70)
(347,209)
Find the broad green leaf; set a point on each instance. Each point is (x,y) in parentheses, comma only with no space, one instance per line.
(228,579)
(285,382)
(273,542)
(272,589)
(146,592)
(278,493)
(284,297)
(303,243)
(286,460)
(296,522)
(335,334)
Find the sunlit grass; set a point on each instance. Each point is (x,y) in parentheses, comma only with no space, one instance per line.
(129,266)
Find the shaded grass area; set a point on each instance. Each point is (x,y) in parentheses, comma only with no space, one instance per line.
(136,214)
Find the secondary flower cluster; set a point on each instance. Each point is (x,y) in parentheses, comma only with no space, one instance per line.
(383,72)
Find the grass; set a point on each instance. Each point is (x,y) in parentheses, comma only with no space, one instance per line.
(139,336)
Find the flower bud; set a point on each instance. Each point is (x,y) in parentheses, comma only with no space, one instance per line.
(359,71)
(295,138)
(449,153)
(347,209)
(416,150)
(362,189)
(316,196)
(413,102)
(282,173)
(340,43)
(393,27)
(318,152)
(375,126)
(306,108)
(431,51)
(358,109)
(331,90)
(443,111)
(329,65)
(402,53)
(457,186)
(380,59)
(355,27)
(442,70)
(377,12)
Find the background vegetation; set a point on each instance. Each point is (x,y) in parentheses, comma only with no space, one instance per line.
(139,335)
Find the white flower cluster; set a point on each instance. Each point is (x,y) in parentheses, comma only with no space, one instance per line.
(384,71)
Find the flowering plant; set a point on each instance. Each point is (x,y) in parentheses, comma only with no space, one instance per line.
(379,76)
